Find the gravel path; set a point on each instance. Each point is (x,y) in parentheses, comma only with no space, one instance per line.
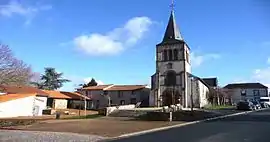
(34,136)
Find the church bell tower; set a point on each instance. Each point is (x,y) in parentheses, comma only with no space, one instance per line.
(169,83)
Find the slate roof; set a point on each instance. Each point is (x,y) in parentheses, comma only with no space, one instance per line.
(172,34)
(211,81)
(196,77)
(245,85)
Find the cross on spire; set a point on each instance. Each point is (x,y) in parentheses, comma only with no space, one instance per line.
(172,5)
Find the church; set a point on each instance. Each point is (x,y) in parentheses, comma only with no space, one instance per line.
(173,83)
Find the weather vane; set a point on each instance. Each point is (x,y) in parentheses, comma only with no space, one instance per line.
(172,5)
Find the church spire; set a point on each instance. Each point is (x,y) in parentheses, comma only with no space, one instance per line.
(172,32)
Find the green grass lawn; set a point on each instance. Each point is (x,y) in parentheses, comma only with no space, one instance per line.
(92,116)
(216,107)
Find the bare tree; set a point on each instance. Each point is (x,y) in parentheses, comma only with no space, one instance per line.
(12,70)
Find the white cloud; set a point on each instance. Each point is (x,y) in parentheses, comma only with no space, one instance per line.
(17,8)
(116,40)
(268,60)
(258,75)
(197,60)
(262,75)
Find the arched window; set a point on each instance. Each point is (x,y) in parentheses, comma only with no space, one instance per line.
(165,56)
(170,79)
(175,52)
(170,55)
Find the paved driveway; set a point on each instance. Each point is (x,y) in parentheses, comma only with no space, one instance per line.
(252,127)
(25,136)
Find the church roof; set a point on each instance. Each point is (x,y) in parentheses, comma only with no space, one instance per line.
(172,33)
(211,81)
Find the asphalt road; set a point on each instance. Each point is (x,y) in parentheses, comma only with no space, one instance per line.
(252,127)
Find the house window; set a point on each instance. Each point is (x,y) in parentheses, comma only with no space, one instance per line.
(110,102)
(120,94)
(175,52)
(133,101)
(97,104)
(105,92)
(170,55)
(122,102)
(256,94)
(169,66)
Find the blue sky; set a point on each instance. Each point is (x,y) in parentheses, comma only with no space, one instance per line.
(114,41)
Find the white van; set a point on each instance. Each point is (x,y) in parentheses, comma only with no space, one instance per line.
(265,100)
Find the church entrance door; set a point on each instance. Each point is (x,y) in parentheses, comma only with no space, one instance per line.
(171,97)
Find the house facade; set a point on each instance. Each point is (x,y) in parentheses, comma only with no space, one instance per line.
(246,91)
(173,83)
(115,95)
(64,100)
(29,101)
(21,101)
(14,105)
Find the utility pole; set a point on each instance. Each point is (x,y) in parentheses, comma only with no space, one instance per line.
(85,105)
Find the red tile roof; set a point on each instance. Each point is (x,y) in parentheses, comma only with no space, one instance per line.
(56,95)
(65,95)
(22,89)
(9,97)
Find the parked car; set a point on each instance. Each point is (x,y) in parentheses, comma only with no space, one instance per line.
(257,104)
(264,105)
(245,105)
(265,101)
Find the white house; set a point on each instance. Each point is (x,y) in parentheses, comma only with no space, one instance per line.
(29,104)
(171,83)
(246,91)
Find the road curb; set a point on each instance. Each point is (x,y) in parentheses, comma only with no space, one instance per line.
(180,125)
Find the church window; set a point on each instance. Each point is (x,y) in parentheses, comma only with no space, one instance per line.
(175,52)
(170,55)
(165,57)
(187,56)
(169,66)
(170,79)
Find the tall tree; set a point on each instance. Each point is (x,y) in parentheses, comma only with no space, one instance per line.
(51,80)
(90,83)
(12,70)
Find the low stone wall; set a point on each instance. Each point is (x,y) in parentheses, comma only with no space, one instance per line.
(182,115)
(108,110)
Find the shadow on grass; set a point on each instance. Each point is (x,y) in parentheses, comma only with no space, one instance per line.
(92,116)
